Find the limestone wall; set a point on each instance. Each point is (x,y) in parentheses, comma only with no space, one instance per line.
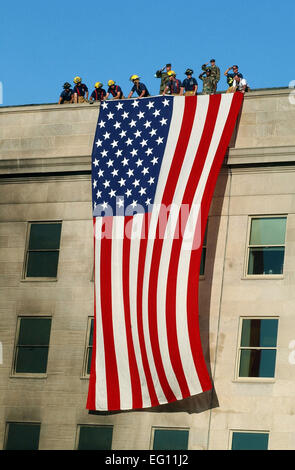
(44,167)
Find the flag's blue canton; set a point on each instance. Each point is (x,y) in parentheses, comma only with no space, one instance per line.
(128,149)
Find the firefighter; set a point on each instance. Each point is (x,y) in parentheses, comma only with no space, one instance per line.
(174,85)
(80,91)
(114,90)
(139,87)
(66,95)
(98,94)
(189,84)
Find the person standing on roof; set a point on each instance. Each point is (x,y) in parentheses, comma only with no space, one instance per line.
(239,84)
(80,91)
(98,94)
(189,84)
(163,76)
(139,87)
(215,71)
(174,85)
(208,82)
(114,90)
(230,76)
(66,96)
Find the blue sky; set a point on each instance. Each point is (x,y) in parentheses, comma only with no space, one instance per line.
(43,44)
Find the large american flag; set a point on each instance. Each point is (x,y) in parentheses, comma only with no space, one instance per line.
(154,167)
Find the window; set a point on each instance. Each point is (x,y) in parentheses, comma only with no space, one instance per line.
(89,347)
(95,437)
(258,347)
(249,440)
(42,250)
(32,345)
(266,249)
(170,439)
(22,436)
(203,257)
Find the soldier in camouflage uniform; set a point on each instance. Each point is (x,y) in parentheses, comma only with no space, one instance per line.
(209,83)
(215,71)
(163,76)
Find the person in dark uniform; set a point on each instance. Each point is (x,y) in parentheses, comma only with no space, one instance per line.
(114,90)
(67,95)
(98,94)
(138,87)
(189,84)
(80,91)
(174,85)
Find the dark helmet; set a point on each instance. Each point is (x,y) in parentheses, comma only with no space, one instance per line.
(189,72)
(67,85)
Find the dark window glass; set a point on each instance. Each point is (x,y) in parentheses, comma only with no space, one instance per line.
(257,363)
(42,263)
(203,257)
(90,346)
(95,438)
(170,439)
(45,236)
(32,346)
(22,436)
(268,260)
(43,250)
(249,441)
(266,246)
(257,334)
(34,331)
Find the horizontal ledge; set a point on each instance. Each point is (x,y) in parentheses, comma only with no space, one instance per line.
(45,106)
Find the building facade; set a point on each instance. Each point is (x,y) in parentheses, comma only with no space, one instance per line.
(247,289)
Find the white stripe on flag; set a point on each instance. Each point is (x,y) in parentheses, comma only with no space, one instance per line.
(119,325)
(101,391)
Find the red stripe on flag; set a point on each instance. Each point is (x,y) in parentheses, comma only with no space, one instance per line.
(92,380)
(112,380)
(193,286)
(134,374)
(141,264)
(177,161)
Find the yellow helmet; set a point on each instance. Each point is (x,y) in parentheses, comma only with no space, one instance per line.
(171,73)
(98,85)
(111,82)
(134,77)
(77,79)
